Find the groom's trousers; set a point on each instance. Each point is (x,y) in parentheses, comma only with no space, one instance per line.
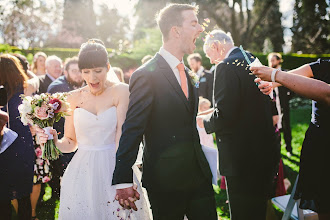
(197,204)
(248,196)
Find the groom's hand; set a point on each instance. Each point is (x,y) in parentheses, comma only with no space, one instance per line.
(127,197)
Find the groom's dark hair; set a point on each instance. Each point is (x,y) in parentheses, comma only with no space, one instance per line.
(171,15)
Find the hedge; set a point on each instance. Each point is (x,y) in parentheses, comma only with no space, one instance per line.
(133,60)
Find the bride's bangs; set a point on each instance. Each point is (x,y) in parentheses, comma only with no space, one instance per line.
(92,56)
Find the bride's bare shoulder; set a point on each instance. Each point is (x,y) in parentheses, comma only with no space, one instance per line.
(120,89)
(75,95)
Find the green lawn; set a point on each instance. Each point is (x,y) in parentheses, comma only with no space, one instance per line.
(300,119)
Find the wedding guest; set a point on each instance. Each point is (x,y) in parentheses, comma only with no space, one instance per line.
(240,113)
(146,58)
(128,73)
(53,71)
(120,74)
(17,161)
(38,66)
(33,79)
(41,167)
(206,139)
(282,97)
(71,80)
(205,77)
(313,187)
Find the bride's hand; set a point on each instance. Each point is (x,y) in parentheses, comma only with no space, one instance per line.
(43,138)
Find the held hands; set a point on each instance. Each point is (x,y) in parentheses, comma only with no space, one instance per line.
(44,137)
(127,197)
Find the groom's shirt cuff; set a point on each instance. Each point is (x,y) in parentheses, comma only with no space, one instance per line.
(123,185)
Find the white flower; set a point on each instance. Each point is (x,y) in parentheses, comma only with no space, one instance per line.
(25,107)
(24,120)
(36,97)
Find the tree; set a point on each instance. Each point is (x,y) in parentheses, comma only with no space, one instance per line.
(235,16)
(145,11)
(112,27)
(27,22)
(78,24)
(311,29)
(270,29)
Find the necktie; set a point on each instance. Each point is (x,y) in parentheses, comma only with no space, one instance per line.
(183,79)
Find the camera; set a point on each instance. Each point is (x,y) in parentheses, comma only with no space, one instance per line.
(3,96)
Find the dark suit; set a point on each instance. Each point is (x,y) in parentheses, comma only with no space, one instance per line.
(245,137)
(175,171)
(206,85)
(285,95)
(45,81)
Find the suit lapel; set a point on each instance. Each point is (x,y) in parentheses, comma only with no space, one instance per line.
(166,70)
(192,88)
(48,80)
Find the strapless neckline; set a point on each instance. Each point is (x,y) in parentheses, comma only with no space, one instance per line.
(95,130)
(97,115)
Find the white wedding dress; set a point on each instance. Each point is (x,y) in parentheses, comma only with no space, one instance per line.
(86,190)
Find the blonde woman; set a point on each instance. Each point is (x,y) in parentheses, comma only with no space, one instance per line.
(38,66)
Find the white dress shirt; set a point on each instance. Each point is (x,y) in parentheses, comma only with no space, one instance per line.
(173,62)
(8,138)
(200,71)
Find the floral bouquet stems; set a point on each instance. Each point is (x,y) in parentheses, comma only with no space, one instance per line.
(50,151)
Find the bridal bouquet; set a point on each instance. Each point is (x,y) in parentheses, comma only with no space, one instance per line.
(44,110)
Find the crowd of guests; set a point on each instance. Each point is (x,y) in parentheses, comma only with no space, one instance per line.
(23,172)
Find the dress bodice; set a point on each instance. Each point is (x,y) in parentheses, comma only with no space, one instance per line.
(95,130)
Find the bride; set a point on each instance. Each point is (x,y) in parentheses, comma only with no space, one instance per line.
(98,111)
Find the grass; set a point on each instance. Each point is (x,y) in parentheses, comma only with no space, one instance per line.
(300,119)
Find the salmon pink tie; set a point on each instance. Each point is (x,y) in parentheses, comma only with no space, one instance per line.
(183,79)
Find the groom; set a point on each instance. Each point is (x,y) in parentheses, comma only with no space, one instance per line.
(242,121)
(163,107)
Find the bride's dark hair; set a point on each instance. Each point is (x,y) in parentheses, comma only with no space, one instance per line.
(92,54)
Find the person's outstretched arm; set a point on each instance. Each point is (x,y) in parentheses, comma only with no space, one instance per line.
(298,81)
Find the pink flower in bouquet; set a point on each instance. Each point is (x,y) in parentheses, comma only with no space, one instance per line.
(41,112)
(57,104)
(38,152)
(45,179)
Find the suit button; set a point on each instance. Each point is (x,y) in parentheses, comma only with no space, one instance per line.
(174,137)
